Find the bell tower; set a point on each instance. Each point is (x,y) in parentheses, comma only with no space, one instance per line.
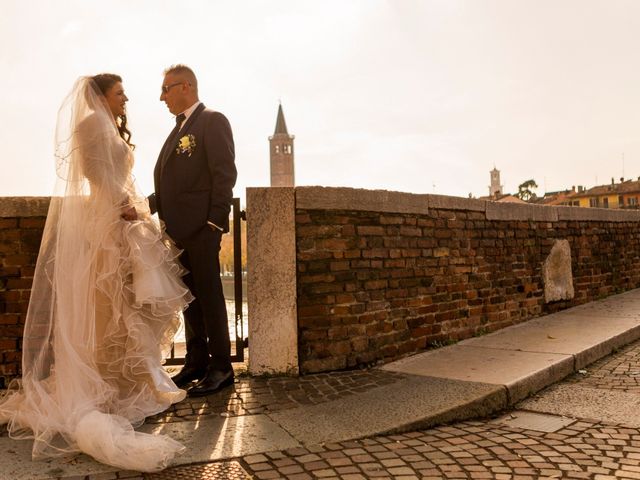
(281,154)
(495,189)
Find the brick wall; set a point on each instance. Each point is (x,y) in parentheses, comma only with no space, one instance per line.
(375,275)
(376,285)
(21,223)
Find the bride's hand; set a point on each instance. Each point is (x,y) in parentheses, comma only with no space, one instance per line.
(130,214)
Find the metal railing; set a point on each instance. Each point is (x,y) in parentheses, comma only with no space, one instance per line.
(240,341)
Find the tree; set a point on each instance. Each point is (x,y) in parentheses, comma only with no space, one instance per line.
(525,190)
(226,248)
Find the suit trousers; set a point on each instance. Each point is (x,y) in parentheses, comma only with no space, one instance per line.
(206,324)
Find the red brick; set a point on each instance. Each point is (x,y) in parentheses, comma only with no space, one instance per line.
(9,369)
(337,266)
(7,223)
(370,230)
(19,283)
(8,344)
(386,220)
(9,319)
(454,264)
(32,222)
(312,311)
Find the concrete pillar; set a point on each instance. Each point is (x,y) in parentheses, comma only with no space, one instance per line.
(271,281)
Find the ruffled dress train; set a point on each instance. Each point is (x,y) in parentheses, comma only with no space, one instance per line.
(105,304)
(97,393)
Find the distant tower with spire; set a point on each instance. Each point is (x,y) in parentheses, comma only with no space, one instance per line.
(281,153)
(495,189)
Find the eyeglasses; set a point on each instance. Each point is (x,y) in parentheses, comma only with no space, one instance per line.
(166,88)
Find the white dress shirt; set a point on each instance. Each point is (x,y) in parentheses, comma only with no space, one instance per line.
(187,113)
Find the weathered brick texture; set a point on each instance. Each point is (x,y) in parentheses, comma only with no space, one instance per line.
(20,237)
(376,286)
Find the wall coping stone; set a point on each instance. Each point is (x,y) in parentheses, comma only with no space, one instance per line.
(447,202)
(342,198)
(24,206)
(360,199)
(598,214)
(519,211)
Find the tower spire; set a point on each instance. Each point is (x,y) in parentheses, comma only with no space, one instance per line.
(281,125)
(281,153)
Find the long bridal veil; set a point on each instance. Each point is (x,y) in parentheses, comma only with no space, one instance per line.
(104,306)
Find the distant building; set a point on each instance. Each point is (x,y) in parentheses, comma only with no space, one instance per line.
(495,189)
(561,197)
(281,154)
(625,194)
(508,198)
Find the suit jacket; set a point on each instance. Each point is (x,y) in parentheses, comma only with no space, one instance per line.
(191,189)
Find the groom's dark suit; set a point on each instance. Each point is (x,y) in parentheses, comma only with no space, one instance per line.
(190,191)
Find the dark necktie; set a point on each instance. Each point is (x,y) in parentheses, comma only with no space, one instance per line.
(172,139)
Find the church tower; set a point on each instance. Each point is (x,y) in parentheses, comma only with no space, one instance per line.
(495,189)
(281,154)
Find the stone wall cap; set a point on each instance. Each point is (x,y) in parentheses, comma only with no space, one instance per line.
(519,211)
(447,202)
(597,214)
(344,198)
(24,206)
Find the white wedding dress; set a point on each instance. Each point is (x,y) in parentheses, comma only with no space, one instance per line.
(104,307)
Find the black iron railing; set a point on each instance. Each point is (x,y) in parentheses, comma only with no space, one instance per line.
(240,341)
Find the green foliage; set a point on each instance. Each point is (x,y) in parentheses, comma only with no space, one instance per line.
(525,190)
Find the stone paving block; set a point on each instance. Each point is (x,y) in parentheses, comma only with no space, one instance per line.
(211,471)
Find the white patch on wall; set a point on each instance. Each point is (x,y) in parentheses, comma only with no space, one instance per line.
(556,273)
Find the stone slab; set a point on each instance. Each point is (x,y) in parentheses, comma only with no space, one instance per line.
(447,202)
(585,337)
(597,214)
(540,422)
(522,373)
(16,463)
(271,281)
(220,438)
(522,212)
(209,439)
(342,198)
(412,403)
(623,305)
(24,206)
(571,400)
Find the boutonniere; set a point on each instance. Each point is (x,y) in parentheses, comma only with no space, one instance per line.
(186,144)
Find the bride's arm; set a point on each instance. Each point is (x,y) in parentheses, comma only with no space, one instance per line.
(103,163)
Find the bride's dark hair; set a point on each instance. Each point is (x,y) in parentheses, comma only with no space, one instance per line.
(104,81)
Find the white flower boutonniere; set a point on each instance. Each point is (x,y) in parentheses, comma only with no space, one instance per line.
(186,144)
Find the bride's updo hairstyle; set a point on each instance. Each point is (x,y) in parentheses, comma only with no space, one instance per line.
(104,81)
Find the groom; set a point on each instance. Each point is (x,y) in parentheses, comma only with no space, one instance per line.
(194,177)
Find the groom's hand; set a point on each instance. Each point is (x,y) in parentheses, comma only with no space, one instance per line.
(130,214)
(152,203)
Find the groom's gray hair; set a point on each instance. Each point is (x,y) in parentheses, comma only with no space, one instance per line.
(180,69)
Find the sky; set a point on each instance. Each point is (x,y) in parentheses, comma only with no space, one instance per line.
(421,96)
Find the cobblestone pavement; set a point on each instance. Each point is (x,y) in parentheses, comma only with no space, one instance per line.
(254,395)
(485,449)
(250,396)
(620,371)
(481,449)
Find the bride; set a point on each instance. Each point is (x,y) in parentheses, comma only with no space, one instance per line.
(105,300)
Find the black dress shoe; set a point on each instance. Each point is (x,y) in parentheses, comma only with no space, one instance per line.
(214,381)
(187,375)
